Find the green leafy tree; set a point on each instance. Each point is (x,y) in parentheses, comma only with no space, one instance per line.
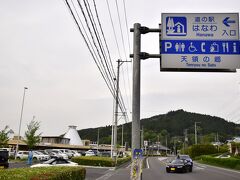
(4,136)
(32,139)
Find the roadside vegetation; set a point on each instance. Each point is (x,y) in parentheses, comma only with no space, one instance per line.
(99,161)
(232,162)
(32,139)
(46,173)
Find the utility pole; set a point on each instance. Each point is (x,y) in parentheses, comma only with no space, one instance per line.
(98,139)
(166,145)
(122,135)
(136,87)
(142,138)
(137,56)
(116,111)
(195,124)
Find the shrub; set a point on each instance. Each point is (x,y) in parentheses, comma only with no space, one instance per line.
(46,173)
(99,161)
(232,163)
(202,149)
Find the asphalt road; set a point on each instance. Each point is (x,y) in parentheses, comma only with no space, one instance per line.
(156,170)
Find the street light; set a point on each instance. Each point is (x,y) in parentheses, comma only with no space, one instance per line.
(20,123)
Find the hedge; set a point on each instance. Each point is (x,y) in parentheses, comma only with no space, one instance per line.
(232,163)
(99,161)
(44,173)
(202,149)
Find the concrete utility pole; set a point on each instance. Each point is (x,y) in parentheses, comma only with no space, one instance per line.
(122,135)
(136,87)
(20,123)
(137,56)
(195,125)
(116,111)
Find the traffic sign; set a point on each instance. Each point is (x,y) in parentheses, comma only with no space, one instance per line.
(200,41)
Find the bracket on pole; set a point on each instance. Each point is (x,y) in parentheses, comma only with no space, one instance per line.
(144,55)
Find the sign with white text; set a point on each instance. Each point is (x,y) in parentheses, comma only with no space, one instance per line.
(200,42)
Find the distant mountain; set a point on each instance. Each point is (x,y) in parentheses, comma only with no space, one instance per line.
(171,124)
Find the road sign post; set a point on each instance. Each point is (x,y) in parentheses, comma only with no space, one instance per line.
(200,42)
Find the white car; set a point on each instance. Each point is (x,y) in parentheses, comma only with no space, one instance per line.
(22,155)
(41,156)
(55,162)
(59,153)
(90,153)
(76,154)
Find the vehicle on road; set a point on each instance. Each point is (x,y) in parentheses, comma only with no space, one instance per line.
(55,162)
(178,165)
(4,156)
(188,159)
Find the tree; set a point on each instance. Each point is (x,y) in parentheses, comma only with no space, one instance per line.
(31,137)
(4,136)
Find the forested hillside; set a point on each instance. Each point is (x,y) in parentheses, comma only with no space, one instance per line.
(171,126)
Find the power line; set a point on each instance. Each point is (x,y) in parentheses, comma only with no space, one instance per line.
(115,36)
(120,25)
(95,46)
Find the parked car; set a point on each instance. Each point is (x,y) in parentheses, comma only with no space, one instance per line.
(105,154)
(59,153)
(81,152)
(4,156)
(90,153)
(75,153)
(55,162)
(68,152)
(10,151)
(188,159)
(22,155)
(177,165)
(40,156)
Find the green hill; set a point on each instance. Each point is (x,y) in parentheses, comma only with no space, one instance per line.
(172,126)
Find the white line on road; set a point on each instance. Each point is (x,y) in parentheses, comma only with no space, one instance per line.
(162,158)
(230,170)
(106,176)
(147,164)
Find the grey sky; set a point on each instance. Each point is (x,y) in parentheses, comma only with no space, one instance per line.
(41,48)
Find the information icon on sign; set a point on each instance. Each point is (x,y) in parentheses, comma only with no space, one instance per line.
(176,26)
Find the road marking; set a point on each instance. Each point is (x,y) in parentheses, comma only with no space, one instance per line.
(230,170)
(162,158)
(147,164)
(106,176)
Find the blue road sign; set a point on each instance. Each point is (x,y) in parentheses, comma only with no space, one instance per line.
(137,153)
(200,40)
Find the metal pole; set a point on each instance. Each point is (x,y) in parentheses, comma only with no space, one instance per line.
(195,132)
(20,123)
(142,138)
(98,139)
(112,137)
(122,135)
(166,145)
(136,87)
(116,111)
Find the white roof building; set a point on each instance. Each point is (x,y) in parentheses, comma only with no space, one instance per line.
(73,135)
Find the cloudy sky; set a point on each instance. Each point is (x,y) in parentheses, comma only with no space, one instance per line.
(42,49)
